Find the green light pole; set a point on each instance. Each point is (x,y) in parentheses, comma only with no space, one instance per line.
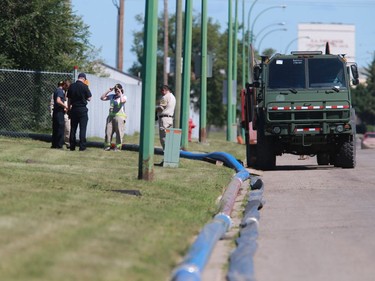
(185,100)
(249,66)
(146,149)
(257,17)
(178,66)
(294,40)
(266,27)
(229,74)
(203,105)
(235,51)
(243,46)
(251,33)
(268,33)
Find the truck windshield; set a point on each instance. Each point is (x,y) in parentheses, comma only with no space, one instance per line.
(287,73)
(326,73)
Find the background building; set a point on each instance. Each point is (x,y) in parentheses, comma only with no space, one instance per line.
(341,38)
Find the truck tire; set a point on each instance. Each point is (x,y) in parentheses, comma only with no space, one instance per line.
(251,155)
(265,159)
(265,156)
(346,157)
(322,158)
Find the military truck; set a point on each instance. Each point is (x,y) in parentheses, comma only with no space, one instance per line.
(300,103)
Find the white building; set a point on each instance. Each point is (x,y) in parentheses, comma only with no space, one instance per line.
(98,109)
(341,38)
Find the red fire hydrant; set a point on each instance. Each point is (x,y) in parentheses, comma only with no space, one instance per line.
(190,129)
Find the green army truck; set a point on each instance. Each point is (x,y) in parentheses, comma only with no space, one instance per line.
(300,104)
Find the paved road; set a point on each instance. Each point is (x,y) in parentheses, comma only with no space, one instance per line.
(318,222)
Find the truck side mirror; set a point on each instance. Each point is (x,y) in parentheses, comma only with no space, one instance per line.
(355,74)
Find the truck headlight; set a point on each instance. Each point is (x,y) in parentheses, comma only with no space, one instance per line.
(276,130)
(340,128)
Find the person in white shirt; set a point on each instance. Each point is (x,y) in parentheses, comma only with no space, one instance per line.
(165,112)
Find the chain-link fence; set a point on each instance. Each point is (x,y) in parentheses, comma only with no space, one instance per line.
(24,100)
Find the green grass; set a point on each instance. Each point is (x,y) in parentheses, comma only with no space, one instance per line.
(60,219)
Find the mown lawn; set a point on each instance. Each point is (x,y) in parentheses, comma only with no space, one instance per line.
(61,220)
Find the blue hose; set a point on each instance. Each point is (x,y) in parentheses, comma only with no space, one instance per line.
(194,262)
(228,159)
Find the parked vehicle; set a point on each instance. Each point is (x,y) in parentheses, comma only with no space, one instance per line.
(300,104)
(368,140)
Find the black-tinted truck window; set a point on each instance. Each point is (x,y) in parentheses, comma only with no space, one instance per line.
(287,73)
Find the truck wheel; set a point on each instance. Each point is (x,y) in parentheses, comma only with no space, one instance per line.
(346,157)
(322,158)
(332,159)
(251,155)
(265,159)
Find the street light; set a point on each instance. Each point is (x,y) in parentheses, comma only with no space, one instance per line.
(250,30)
(264,28)
(257,17)
(249,74)
(295,39)
(248,18)
(268,33)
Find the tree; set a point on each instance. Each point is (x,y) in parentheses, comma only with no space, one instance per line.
(216,111)
(364,98)
(44,35)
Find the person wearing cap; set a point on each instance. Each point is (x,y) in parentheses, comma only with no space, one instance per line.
(116,118)
(78,96)
(66,116)
(165,112)
(59,109)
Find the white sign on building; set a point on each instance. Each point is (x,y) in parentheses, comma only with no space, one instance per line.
(341,38)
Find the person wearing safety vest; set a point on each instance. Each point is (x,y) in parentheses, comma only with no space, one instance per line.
(116,118)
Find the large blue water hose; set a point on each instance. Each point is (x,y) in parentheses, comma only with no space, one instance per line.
(195,260)
(241,265)
(224,157)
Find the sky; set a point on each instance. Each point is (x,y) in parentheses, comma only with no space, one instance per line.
(101,17)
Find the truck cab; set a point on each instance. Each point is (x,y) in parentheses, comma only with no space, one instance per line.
(300,104)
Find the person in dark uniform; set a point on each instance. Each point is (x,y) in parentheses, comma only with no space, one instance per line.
(78,96)
(59,109)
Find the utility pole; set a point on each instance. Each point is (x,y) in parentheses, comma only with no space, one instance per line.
(203,85)
(165,74)
(186,77)
(120,33)
(147,138)
(234,73)
(177,88)
(229,74)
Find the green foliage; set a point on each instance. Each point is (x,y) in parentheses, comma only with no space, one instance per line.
(268,52)
(364,98)
(43,35)
(61,220)
(216,46)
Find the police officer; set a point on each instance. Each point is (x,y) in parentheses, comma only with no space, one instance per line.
(59,109)
(78,96)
